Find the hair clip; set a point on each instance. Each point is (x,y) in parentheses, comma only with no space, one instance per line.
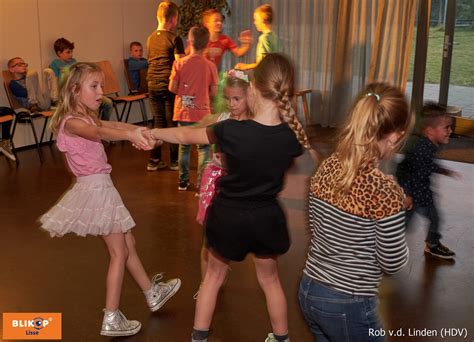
(377,96)
(237,74)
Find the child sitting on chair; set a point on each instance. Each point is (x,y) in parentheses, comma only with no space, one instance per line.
(25,86)
(136,63)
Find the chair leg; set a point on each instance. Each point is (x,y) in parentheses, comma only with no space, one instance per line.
(38,147)
(119,117)
(129,108)
(143,110)
(307,118)
(44,129)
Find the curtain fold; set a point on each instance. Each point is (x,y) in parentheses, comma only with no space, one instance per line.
(337,46)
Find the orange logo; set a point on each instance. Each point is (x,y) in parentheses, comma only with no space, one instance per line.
(31,326)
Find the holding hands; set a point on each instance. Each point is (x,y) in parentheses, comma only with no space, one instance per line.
(141,139)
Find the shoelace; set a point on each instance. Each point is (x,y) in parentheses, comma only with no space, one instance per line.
(157,277)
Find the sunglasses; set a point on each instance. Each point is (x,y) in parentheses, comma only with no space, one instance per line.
(20,64)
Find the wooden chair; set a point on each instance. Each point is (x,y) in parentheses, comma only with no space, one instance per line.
(23,115)
(302,93)
(6,118)
(112,89)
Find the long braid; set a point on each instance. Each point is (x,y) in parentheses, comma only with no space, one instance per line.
(274,77)
(288,115)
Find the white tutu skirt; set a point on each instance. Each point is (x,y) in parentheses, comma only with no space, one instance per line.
(91,207)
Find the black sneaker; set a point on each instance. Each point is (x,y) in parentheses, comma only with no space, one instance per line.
(440,251)
(183,186)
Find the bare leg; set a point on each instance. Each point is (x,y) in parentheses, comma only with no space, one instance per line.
(118,255)
(267,275)
(204,260)
(206,302)
(134,264)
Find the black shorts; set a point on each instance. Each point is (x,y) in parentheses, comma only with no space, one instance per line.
(235,229)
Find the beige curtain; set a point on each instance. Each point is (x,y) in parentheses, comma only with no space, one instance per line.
(337,46)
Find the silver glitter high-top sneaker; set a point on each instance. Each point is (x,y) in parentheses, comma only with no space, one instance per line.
(161,292)
(116,324)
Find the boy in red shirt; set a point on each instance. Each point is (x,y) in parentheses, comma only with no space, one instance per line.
(218,42)
(194,80)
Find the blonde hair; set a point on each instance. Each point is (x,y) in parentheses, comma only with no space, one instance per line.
(68,94)
(266,13)
(379,110)
(274,77)
(166,11)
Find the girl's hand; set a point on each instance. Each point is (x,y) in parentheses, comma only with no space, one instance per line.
(408,203)
(151,140)
(138,139)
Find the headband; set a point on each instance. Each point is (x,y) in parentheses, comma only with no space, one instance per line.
(237,74)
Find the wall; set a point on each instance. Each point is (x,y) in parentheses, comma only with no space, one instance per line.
(100,29)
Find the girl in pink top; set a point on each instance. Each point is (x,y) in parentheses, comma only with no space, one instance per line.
(93,206)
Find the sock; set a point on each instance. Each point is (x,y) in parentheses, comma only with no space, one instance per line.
(281,337)
(200,334)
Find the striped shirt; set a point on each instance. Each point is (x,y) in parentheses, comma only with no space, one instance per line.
(358,236)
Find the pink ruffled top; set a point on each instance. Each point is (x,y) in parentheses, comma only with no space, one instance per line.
(84,157)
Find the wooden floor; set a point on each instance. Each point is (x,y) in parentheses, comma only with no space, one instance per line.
(42,274)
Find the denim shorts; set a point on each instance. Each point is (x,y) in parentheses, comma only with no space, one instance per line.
(337,316)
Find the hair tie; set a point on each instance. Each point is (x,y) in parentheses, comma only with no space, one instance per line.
(377,96)
(237,74)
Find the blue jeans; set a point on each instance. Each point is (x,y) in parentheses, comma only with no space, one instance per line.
(337,316)
(185,154)
(431,213)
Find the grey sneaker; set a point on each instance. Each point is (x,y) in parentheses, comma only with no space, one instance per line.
(6,149)
(174,166)
(271,338)
(161,292)
(154,165)
(116,324)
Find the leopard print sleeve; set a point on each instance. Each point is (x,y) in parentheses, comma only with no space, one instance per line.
(387,196)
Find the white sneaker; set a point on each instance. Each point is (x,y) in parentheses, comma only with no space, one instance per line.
(271,338)
(6,149)
(116,324)
(161,292)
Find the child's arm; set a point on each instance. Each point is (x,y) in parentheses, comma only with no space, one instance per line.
(243,66)
(246,40)
(181,135)
(118,125)
(207,121)
(107,132)
(173,86)
(174,80)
